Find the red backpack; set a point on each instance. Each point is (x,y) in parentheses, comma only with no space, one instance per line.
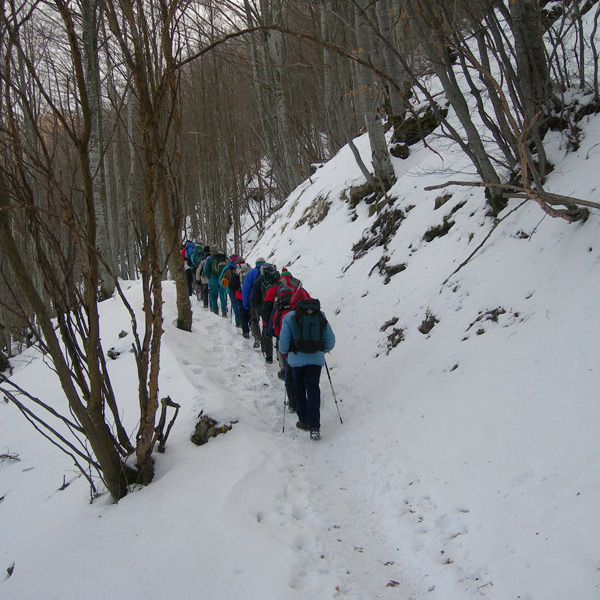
(286,299)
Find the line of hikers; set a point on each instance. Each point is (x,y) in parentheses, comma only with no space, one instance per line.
(269,305)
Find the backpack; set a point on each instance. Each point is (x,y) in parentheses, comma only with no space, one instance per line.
(283,298)
(308,327)
(270,276)
(197,256)
(190,247)
(243,270)
(226,276)
(219,262)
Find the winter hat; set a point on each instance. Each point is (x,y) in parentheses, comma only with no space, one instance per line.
(213,248)
(260,260)
(239,261)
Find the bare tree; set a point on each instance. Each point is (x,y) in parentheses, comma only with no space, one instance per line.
(62,223)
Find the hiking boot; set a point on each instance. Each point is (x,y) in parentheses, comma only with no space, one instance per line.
(214,310)
(224,314)
(301,425)
(238,325)
(281,374)
(269,360)
(292,408)
(246,335)
(315,434)
(256,344)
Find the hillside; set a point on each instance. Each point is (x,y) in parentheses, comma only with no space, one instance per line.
(466,465)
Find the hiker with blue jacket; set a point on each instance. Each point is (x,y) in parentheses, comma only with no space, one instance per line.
(246,295)
(187,249)
(305,337)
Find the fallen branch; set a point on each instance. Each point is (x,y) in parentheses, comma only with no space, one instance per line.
(160,437)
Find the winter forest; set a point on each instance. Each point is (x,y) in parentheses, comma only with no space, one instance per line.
(128,127)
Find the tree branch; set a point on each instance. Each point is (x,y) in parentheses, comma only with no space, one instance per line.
(522,192)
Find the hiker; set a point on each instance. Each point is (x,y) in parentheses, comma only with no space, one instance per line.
(246,293)
(197,256)
(187,250)
(267,278)
(235,287)
(305,337)
(225,281)
(277,299)
(277,303)
(213,267)
(201,278)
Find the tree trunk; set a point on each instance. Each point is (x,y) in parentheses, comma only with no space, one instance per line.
(532,70)
(90,27)
(386,13)
(371,100)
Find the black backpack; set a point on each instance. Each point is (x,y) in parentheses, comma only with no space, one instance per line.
(270,276)
(308,327)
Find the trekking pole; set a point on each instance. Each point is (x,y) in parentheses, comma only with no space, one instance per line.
(333,391)
(284,396)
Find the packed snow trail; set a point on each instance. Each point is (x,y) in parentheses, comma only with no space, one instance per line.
(307,494)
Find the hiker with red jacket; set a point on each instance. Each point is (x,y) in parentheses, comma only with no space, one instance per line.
(269,275)
(276,304)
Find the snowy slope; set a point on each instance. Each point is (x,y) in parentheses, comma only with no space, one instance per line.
(468,462)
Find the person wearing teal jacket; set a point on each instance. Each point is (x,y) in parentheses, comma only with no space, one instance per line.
(215,290)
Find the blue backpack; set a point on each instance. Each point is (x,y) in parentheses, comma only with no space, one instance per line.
(189,250)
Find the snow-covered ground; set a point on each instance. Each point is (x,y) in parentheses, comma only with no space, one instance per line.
(468,461)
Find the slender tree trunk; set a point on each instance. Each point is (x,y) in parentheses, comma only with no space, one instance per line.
(436,49)
(371,99)
(90,27)
(386,14)
(532,70)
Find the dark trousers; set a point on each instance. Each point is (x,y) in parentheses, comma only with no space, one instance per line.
(204,294)
(255,323)
(266,343)
(235,307)
(308,394)
(244,317)
(189,276)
